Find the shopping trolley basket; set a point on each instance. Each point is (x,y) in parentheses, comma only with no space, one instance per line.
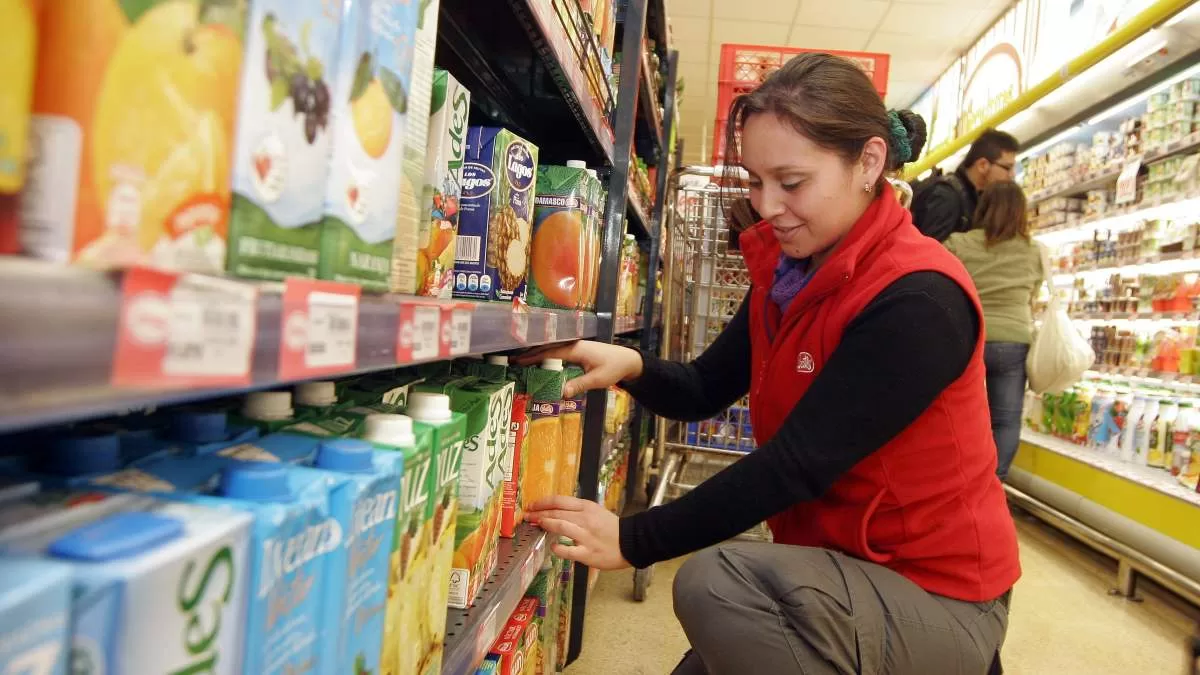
(705,283)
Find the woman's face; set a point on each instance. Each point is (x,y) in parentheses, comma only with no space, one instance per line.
(811,196)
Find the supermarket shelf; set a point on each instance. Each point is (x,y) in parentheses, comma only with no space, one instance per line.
(470,633)
(1155,479)
(1165,263)
(1121,218)
(1148,317)
(1147,377)
(648,102)
(626,325)
(1108,175)
(640,223)
(58,336)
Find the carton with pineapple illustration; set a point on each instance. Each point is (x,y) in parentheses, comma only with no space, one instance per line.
(443,176)
(281,157)
(498,182)
(132,133)
(370,110)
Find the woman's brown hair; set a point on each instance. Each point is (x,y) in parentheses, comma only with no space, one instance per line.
(1002,213)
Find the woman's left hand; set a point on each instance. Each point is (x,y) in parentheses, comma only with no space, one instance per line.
(593,529)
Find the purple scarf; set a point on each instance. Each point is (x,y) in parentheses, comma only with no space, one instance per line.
(791,276)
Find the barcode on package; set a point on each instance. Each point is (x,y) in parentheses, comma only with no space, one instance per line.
(467,248)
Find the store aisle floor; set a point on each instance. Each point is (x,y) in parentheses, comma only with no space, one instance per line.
(1063,620)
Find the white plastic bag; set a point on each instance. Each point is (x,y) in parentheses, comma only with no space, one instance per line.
(1059,355)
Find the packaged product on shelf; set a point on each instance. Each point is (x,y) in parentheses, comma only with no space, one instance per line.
(35,616)
(1083,409)
(545,385)
(1116,418)
(315,398)
(281,149)
(447,430)
(132,134)
(488,667)
(1163,436)
(498,187)
(544,589)
(1129,433)
(20,57)
(411,566)
(372,78)
(566,591)
(411,215)
(594,251)
(1189,465)
(570,418)
(516,639)
(512,512)
(268,410)
(443,186)
(487,407)
(560,236)
(1180,434)
(1146,430)
(391,389)
(1099,431)
(150,568)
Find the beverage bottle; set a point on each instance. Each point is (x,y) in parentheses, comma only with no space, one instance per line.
(1144,435)
(1167,412)
(1180,454)
(1102,404)
(1129,432)
(1117,418)
(1083,414)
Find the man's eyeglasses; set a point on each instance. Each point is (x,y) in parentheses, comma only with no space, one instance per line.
(1008,168)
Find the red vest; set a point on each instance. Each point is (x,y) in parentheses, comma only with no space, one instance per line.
(927,504)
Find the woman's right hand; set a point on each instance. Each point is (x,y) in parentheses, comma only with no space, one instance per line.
(604,365)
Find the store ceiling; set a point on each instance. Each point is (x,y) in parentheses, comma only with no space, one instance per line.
(923,38)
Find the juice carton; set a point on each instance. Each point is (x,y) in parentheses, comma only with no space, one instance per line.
(315,398)
(16,100)
(560,236)
(571,419)
(132,133)
(410,563)
(488,667)
(498,178)
(281,154)
(544,589)
(544,384)
(512,512)
(487,407)
(391,389)
(444,155)
(299,442)
(171,570)
(411,215)
(566,590)
(33,509)
(370,97)
(35,616)
(515,639)
(267,410)
(593,245)
(448,431)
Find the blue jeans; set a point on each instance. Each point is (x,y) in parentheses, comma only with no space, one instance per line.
(1005,363)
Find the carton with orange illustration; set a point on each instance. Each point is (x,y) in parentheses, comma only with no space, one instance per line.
(571,420)
(561,222)
(132,133)
(544,440)
(443,178)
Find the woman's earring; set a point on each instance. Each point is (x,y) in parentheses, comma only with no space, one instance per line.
(867,187)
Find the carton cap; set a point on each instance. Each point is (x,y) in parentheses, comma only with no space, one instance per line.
(552,364)
(120,535)
(428,406)
(346,455)
(498,360)
(593,174)
(317,394)
(576,164)
(256,482)
(199,426)
(83,455)
(267,406)
(390,429)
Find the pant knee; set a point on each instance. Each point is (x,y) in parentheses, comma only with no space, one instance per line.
(693,587)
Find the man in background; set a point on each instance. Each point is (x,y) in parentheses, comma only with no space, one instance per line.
(945,204)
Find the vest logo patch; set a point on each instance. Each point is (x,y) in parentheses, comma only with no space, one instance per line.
(804,363)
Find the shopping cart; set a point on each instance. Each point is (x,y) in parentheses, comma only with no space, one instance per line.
(705,281)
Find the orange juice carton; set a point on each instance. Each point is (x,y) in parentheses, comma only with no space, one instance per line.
(560,236)
(512,646)
(498,186)
(443,175)
(372,81)
(570,417)
(544,447)
(16,100)
(133,133)
(35,616)
(410,218)
(281,150)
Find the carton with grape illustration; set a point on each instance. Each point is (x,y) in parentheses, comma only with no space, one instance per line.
(370,109)
(281,157)
(132,133)
(499,176)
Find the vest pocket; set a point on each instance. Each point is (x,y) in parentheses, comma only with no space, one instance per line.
(864,526)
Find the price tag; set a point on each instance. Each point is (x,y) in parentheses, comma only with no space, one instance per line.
(184,331)
(520,323)
(419,337)
(580,324)
(460,325)
(1127,182)
(319,328)
(551,327)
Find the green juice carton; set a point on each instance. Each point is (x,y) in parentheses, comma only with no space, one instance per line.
(512,511)
(595,242)
(487,407)
(391,389)
(35,616)
(282,143)
(405,277)
(432,411)
(498,186)
(444,155)
(411,565)
(373,74)
(562,221)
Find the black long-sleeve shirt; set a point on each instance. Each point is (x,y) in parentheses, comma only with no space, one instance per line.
(914,339)
(941,209)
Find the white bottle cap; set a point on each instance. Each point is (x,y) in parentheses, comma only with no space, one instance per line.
(318,394)
(552,364)
(593,174)
(498,360)
(389,429)
(268,406)
(428,406)
(576,164)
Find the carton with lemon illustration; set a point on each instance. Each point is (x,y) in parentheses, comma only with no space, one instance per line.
(132,132)
(370,106)
(281,157)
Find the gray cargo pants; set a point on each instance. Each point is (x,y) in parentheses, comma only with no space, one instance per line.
(751,609)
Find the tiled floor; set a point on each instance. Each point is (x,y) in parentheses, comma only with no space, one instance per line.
(1063,620)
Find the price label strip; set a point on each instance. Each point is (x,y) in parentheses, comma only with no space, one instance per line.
(319,329)
(184,330)
(419,337)
(460,323)
(551,326)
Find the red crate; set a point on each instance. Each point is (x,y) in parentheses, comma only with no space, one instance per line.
(744,67)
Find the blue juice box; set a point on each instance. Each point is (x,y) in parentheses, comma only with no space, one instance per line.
(35,616)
